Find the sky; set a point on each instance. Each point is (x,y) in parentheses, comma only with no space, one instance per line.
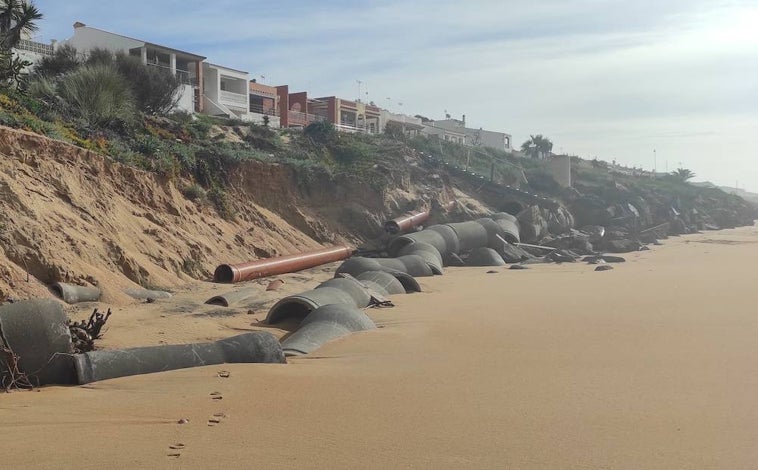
(647,83)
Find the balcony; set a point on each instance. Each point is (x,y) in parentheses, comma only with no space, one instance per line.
(298,119)
(184,76)
(259,109)
(36,47)
(233,99)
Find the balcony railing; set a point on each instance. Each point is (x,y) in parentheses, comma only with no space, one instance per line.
(184,76)
(34,46)
(297,118)
(259,109)
(233,99)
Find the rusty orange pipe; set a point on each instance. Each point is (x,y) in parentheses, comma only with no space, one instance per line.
(406,222)
(233,273)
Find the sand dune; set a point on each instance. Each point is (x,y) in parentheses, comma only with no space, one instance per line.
(650,365)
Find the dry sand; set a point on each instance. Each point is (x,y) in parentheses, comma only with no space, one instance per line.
(651,365)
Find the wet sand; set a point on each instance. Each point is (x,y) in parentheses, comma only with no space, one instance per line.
(651,365)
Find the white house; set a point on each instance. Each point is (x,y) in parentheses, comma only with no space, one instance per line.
(477,137)
(32,51)
(410,125)
(225,92)
(448,135)
(185,65)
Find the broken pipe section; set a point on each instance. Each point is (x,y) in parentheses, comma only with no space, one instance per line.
(259,347)
(232,273)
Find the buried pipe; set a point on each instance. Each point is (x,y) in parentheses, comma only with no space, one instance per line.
(325,324)
(384,282)
(142,294)
(73,294)
(484,257)
(254,347)
(430,254)
(233,273)
(36,331)
(231,298)
(298,306)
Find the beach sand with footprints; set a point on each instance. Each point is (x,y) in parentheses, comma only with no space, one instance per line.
(650,365)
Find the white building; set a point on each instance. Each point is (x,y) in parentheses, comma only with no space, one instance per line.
(32,51)
(410,125)
(225,92)
(447,135)
(477,137)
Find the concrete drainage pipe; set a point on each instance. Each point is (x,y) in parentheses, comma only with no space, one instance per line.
(484,257)
(37,332)
(298,306)
(323,325)
(257,347)
(470,235)
(73,294)
(232,298)
(452,244)
(428,252)
(386,282)
(430,237)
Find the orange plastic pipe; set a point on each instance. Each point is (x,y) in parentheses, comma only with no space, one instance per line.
(404,223)
(233,273)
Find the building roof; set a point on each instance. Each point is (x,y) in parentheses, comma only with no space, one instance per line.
(226,68)
(78,25)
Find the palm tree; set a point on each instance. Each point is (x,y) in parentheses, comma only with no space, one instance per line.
(683,174)
(537,146)
(16,18)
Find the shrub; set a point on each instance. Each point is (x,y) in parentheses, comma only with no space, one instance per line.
(98,95)
(64,60)
(195,192)
(220,201)
(321,131)
(156,91)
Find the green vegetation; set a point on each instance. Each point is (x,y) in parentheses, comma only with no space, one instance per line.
(537,146)
(683,174)
(17,17)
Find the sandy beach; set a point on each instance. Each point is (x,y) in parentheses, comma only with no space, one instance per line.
(650,365)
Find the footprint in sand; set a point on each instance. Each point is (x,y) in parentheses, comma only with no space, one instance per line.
(175,448)
(216,419)
(216,396)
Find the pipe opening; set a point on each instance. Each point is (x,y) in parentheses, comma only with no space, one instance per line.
(218,300)
(391,227)
(57,289)
(224,273)
(410,284)
(289,310)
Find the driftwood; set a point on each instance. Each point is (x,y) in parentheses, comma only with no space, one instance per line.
(13,379)
(84,333)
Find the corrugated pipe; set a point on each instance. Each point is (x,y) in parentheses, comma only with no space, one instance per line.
(228,273)
(257,347)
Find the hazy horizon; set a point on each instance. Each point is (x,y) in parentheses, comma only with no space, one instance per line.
(613,80)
